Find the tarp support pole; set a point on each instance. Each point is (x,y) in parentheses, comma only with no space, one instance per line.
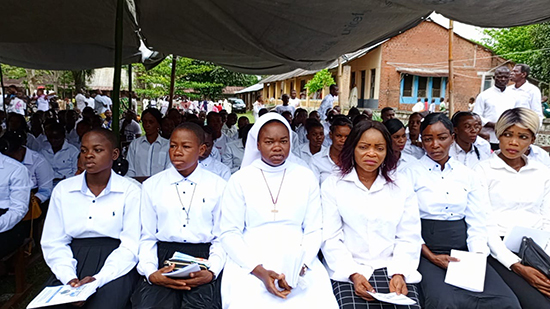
(172,81)
(451,106)
(118,66)
(2,91)
(130,81)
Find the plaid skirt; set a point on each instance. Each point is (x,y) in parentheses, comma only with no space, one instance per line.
(347,299)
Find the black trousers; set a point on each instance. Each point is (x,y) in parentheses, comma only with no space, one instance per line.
(12,239)
(149,296)
(91,254)
(441,237)
(528,296)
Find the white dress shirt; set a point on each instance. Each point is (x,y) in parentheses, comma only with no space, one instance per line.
(294,102)
(305,153)
(146,159)
(327,142)
(232,133)
(490,104)
(322,165)
(288,108)
(404,161)
(221,144)
(40,172)
(326,104)
(234,155)
(413,150)
(483,145)
(64,162)
(73,139)
(91,103)
(80,101)
(302,134)
(15,189)
(528,96)
(216,167)
(75,212)
(470,158)
(539,154)
(451,194)
(360,236)
(164,218)
(42,103)
(516,198)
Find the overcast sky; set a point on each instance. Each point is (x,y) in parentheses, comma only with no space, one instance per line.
(465,30)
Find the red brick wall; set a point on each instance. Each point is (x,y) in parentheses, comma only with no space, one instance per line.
(427,44)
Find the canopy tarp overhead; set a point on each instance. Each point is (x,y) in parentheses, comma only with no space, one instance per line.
(64,35)
(269,37)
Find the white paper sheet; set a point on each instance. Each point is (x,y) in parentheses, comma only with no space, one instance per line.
(469,273)
(183,272)
(62,294)
(513,239)
(393,298)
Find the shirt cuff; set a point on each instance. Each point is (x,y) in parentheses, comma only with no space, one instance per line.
(478,246)
(101,279)
(148,269)
(65,274)
(216,265)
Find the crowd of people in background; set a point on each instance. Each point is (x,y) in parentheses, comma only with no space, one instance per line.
(384,202)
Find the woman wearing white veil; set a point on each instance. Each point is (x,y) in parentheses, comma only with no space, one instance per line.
(272,227)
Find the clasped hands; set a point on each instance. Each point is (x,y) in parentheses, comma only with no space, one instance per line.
(268,277)
(195,279)
(362,286)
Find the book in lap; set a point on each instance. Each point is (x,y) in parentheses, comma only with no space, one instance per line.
(62,294)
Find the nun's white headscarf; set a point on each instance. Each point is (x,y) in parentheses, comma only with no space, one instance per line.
(251,152)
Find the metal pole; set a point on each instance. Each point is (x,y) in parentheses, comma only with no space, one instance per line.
(172,81)
(451,71)
(339,78)
(3,94)
(130,78)
(118,66)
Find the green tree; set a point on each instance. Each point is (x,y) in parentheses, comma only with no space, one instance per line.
(320,80)
(194,78)
(525,44)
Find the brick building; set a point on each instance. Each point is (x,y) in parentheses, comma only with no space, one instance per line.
(410,66)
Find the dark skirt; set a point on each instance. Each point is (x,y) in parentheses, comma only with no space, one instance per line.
(153,296)
(91,254)
(347,299)
(13,238)
(528,296)
(441,237)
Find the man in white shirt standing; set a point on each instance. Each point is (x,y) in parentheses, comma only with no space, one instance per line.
(491,103)
(80,100)
(328,102)
(294,101)
(259,104)
(526,94)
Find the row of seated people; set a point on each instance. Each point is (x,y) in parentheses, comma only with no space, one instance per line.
(383,223)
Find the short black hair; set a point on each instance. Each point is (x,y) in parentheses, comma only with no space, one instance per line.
(55,127)
(262,112)
(524,68)
(385,109)
(333,86)
(154,112)
(394,125)
(193,128)
(435,118)
(340,121)
(312,123)
(12,141)
(107,134)
(212,114)
(459,115)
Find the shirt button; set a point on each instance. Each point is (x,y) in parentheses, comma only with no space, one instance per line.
(447,192)
(184,225)
(183,192)
(89,217)
(183,208)
(446,207)
(185,241)
(93,201)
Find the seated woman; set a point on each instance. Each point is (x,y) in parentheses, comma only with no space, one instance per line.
(314,137)
(40,171)
(233,157)
(399,141)
(272,227)
(453,216)
(92,228)
(367,245)
(180,211)
(15,188)
(414,145)
(148,154)
(464,148)
(519,194)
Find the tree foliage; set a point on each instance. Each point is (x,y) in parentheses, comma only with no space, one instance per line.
(194,78)
(525,44)
(320,80)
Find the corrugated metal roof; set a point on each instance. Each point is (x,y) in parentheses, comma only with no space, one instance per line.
(300,72)
(252,88)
